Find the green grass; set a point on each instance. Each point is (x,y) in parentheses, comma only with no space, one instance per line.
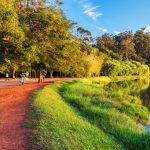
(87,114)
(57,126)
(129,78)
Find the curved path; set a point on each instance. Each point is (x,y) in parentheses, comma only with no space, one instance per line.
(14,102)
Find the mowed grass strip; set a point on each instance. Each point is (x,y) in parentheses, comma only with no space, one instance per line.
(57,126)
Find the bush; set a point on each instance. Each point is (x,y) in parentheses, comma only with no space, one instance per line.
(93,65)
(124,68)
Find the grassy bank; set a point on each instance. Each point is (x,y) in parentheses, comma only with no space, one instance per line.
(58,126)
(107,79)
(84,114)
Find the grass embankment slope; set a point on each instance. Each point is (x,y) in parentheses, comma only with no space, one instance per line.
(82,114)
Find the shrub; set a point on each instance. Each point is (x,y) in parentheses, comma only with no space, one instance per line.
(93,65)
(124,68)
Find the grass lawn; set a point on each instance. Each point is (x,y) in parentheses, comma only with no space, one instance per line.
(83,115)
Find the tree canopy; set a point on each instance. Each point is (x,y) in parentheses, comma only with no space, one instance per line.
(36,35)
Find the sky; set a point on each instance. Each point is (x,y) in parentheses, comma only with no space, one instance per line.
(109,16)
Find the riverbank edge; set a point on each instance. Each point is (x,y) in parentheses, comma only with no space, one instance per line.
(102,79)
(107,79)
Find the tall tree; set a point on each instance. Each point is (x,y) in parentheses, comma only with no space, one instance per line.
(125,44)
(47,32)
(107,44)
(84,34)
(142,44)
(11,37)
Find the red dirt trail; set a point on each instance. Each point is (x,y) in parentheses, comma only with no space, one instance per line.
(14,102)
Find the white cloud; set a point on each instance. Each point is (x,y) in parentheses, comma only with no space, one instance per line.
(90,10)
(86,6)
(100,28)
(103,29)
(147,29)
(117,32)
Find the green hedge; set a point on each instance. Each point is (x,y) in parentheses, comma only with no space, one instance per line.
(124,68)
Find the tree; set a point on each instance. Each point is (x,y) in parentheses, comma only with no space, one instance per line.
(11,37)
(105,42)
(107,45)
(125,44)
(142,44)
(93,65)
(84,34)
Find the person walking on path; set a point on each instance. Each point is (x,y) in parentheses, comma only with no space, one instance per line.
(7,76)
(22,78)
(27,75)
(44,76)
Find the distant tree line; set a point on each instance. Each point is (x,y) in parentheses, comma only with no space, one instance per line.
(35,35)
(126,45)
(126,53)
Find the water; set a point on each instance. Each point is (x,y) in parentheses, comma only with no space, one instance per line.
(148,126)
(138,89)
(146,102)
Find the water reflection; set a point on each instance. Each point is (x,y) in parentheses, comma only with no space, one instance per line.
(145,96)
(136,88)
(148,126)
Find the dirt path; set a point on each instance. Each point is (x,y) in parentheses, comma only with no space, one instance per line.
(14,101)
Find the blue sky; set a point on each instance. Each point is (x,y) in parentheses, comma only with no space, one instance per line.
(109,16)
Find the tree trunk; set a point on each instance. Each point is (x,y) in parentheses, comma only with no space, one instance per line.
(60,73)
(30,74)
(41,76)
(14,73)
(35,74)
(51,74)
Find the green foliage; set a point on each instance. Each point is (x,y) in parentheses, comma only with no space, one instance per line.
(106,44)
(93,65)
(84,34)
(126,45)
(89,114)
(124,68)
(11,37)
(142,46)
(60,128)
(108,113)
(45,40)
(37,35)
